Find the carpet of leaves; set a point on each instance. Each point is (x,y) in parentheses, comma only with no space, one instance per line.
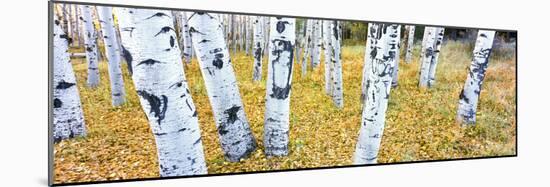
(420,124)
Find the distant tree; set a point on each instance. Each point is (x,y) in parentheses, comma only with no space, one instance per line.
(336,73)
(279,80)
(378,84)
(90,39)
(308,45)
(317,41)
(395,50)
(327,49)
(410,43)
(469,96)
(236,137)
(434,40)
(187,44)
(160,83)
(113,55)
(258,48)
(68,119)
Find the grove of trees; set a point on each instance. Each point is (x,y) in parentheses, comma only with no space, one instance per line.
(156,45)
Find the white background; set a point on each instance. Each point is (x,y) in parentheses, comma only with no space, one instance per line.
(23,93)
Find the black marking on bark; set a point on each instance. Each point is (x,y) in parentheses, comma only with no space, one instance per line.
(56,22)
(128,58)
(204,41)
(149,62)
(158,14)
(64,85)
(197,141)
(117,94)
(105,36)
(281,26)
(183,129)
(232,114)
(160,134)
(165,30)
(129,29)
(172,41)
(188,105)
(193,30)
(157,104)
(218,62)
(89,49)
(195,114)
(66,37)
(57,103)
(463,97)
(177,84)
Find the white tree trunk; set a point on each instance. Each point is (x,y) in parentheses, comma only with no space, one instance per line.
(307,45)
(187,44)
(68,119)
(378,85)
(395,50)
(317,39)
(336,73)
(424,40)
(258,44)
(90,38)
(433,65)
(434,38)
(236,137)
(469,96)
(327,49)
(113,55)
(279,80)
(162,88)
(410,43)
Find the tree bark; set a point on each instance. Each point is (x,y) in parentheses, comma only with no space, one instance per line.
(434,39)
(378,85)
(187,43)
(317,39)
(236,137)
(279,80)
(469,96)
(258,44)
(160,82)
(410,43)
(327,48)
(395,50)
(307,46)
(68,118)
(113,55)
(336,73)
(90,39)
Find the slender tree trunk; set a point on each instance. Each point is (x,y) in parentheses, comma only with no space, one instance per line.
(279,80)
(160,82)
(90,38)
(433,43)
(433,65)
(410,43)
(317,38)
(236,137)
(395,50)
(337,87)
(469,96)
(113,55)
(307,46)
(258,44)
(68,119)
(328,55)
(424,40)
(378,85)
(187,43)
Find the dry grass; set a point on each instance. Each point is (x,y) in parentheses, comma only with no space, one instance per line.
(419,126)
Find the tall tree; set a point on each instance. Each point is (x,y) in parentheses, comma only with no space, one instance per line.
(410,43)
(279,81)
(258,48)
(68,119)
(187,44)
(90,39)
(469,96)
(395,49)
(317,41)
(160,82)
(308,45)
(113,55)
(327,49)
(236,137)
(378,84)
(336,73)
(434,40)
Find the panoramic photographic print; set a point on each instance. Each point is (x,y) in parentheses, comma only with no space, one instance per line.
(143,93)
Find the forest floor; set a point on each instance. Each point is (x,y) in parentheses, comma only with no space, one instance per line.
(420,123)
